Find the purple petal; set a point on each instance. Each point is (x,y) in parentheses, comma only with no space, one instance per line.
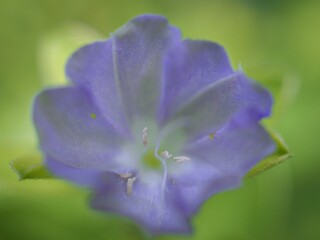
(123,74)
(139,49)
(220,163)
(83,177)
(235,149)
(189,68)
(235,96)
(72,130)
(92,68)
(200,86)
(195,181)
(144,205)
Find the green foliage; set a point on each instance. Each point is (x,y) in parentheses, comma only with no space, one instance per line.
(55,47)
(30,167)
(280,155)
(281,38)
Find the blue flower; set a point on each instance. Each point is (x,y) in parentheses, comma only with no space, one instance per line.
(154,125)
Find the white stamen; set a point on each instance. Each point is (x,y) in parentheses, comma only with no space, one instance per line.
(130,182)
(181,159)
(145,136)
(166,155)
(125,175)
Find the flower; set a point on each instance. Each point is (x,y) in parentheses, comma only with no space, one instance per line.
(154,125)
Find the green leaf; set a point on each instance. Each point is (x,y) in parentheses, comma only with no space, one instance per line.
(30,167)
(280,155)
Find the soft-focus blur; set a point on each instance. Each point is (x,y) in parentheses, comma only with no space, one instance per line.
(276,42)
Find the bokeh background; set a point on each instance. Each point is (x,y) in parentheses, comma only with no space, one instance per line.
(276,42)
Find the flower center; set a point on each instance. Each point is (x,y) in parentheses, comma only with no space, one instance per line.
(150,161)
(154,160)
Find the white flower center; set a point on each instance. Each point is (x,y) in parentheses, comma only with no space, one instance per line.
(151,155)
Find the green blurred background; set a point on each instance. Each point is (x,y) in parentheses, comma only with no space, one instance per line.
(276,42)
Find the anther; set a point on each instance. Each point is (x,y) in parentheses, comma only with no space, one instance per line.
(166,155)
(145,136)
(130,182)
(181,159)
(125,175)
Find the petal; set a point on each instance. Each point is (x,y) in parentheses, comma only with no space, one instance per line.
(83,177)
(234,96)
(123,73)
(92,68)
(189,68)
(220,163)
(72,130)
(204,90)
(144,205)
(195,181)
(235,149)
(139,49)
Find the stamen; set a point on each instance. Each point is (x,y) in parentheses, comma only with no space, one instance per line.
(145,136)
(130,182)
(125,175)
(166,155)
(170,128)
(181,159)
